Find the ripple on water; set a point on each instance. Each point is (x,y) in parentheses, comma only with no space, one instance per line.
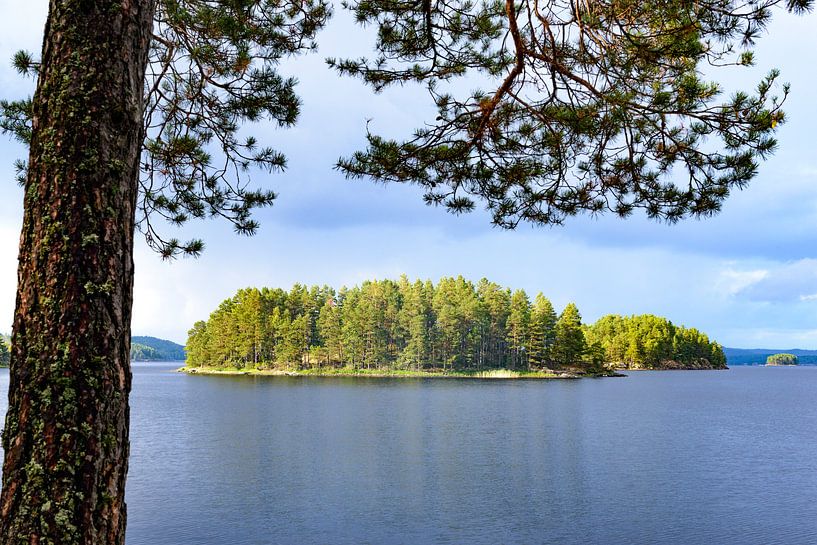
(674,457)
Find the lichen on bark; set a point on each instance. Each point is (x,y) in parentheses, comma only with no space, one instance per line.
(66,432)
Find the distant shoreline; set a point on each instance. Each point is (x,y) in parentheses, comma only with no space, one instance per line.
(640,369)
(156,361)
(494,374)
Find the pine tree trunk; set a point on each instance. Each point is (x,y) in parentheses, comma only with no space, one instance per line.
(66,433)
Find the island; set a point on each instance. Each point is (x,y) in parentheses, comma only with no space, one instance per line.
(781,359)
(417,328)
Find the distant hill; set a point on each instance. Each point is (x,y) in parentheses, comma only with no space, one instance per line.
(141,349)
(757,356)
(153,349)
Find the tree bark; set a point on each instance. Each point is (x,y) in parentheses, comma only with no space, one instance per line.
(66,433)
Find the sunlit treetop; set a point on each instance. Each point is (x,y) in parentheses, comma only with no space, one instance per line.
(585,106)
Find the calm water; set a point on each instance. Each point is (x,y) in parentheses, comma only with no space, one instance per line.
(673,457)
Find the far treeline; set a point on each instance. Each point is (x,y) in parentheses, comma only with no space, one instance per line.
(142,349)
(455,325)
(5,346)
(153,349)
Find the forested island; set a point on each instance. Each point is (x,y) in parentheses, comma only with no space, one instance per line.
(758,356)
(453,327)
(782,359)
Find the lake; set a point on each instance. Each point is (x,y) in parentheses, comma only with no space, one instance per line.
(658,457)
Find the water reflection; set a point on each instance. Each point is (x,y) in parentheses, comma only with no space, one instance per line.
(681,457)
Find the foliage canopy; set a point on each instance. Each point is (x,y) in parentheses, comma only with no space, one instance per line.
(581,107)
(418,325)
(585,106)
(212,69)
(648,341)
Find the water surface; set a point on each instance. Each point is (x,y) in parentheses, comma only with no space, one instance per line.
(657,457)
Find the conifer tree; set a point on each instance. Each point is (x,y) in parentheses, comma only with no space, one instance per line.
(448,324)
(249,323)
(570,343)
(330,329)
(496,303)
(595,106)
(353,328)
(647,341)
(542,332)
(518,329)
(196,345)
(132,99)
(583,107)
(457,326)
(415,316)
(279,324)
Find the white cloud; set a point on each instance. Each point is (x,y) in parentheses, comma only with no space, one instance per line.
(733,281)
(787,282)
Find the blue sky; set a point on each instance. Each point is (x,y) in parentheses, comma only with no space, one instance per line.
(748,276)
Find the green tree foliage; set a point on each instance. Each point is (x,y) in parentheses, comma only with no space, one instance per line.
(453,325)
(330,330)
(647,342)
(141,352)
(542,332)
(594,357)
(212,68)
(198,344)
(590,106)
(581,106)
(518,330)
(153,349)
(415,315)
(782,359)
(494,311)
(4,353)
(570,345)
